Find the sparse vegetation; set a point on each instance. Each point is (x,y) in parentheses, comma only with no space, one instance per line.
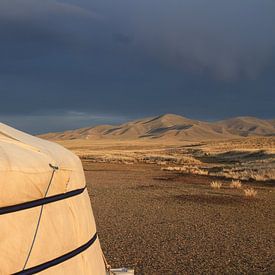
(250,192)
(188,169)
(238,159)
(173,168)
(216,184)
(236,184)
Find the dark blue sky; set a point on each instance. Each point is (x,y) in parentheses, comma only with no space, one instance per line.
(72,63)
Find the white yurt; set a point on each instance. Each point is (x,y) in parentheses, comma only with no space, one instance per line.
(46,221)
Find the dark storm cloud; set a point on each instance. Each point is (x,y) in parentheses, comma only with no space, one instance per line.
(205,59)
(228,39)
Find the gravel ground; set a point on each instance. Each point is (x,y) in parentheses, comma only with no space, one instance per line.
(164,223)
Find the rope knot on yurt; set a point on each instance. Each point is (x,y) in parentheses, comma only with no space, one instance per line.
(53,167)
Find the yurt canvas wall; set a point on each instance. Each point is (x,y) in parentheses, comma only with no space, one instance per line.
(46,220)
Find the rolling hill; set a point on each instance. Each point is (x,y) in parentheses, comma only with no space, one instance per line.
(172,127)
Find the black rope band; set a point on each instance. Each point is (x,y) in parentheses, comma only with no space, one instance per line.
(39,202)
(59,260)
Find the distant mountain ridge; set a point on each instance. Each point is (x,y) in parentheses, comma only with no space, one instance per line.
(172,127)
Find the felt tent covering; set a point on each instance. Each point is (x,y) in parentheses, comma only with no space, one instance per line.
(46,220)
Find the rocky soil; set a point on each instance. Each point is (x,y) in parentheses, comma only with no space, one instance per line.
(162,222)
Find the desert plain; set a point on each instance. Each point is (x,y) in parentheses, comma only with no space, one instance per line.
(180,196)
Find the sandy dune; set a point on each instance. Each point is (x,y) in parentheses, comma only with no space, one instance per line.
(171,127)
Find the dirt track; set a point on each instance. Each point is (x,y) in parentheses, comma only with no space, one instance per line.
(164,223)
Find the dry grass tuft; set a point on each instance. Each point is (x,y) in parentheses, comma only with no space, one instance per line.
(173,168)
(216,184)
(236,184)
(186,169)
(250,192)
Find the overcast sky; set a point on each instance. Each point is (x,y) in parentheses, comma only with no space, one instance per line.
(73,63)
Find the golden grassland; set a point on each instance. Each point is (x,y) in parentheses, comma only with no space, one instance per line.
(238,159)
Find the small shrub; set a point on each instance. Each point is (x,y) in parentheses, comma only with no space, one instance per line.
(216,184)
(250,192)
(236,184)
